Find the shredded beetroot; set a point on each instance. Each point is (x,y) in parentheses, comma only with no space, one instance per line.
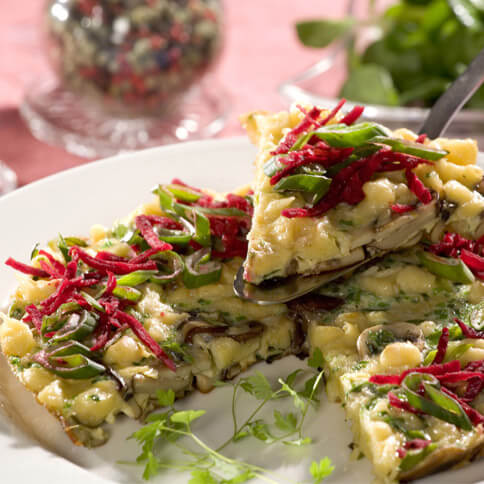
(58,268)
(417,444)
(143,256)
(347,185)
(165,222)
(417,187)
(26,269)
(385,379)
(103,255)
(111,284)
(469,332)
(452,244)
(421,139)
(35,315)
(474,387)
(353,115)
(143,224)
(401,453)
(310,121)
(102,333)
(402,405)
(145,338)
(438,369)
(473,261)
(105,266)
(442,346)
(400,208)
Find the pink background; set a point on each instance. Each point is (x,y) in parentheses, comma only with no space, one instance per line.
(261,50)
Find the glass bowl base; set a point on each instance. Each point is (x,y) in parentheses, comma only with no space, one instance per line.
(57,116)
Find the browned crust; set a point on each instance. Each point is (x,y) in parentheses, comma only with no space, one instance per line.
(445,458)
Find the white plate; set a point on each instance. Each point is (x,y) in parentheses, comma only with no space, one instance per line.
(101,192)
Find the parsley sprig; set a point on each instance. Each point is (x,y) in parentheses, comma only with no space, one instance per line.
(208,465)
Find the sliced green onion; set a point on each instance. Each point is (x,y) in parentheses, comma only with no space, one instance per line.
(173,236)
(199,270)
(412,458)
(135,278)
(453,269)
(76,367)
(202,230)
(183,193)
(314,187)
(272,166)
(75,327)
(57,320)
(172,267)
(343,136)
(70,348)
(128,293)
(438,404)
(75,241)
(222,212)
(92,301)
(456,352)
(411,148)
(167,200)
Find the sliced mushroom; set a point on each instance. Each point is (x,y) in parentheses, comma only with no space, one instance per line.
(193,327)
(315,302)
(240,333)
(372,340)
(246,331)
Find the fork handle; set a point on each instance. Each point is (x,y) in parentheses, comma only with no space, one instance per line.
(451,102)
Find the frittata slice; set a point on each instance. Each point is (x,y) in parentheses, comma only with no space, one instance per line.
(97,325)
(384,333)
(331,191)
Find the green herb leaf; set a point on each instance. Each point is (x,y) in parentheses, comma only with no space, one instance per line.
(258,386)
(320,33)
(298,442)
(186,416)
(316,360)
(166,398)
(202,476)
(286,423)
(321,470)
(152,466)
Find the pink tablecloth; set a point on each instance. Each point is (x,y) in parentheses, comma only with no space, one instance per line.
(261,50)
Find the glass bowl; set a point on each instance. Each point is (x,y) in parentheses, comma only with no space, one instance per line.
(127,74)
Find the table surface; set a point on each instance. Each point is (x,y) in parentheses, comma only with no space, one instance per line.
(261,50)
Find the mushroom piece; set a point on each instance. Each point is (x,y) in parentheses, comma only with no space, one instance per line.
(241,332)
(372,340)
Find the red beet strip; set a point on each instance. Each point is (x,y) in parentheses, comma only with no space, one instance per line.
(421,139)
(353,115)
(400,208)
(145,338)
(442,346)
(469,332)
(472,260)
(475,417)
(417,444)
(143,224)
(438,369)
(114,267)
(402,405)
(26,269)
(57,265)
